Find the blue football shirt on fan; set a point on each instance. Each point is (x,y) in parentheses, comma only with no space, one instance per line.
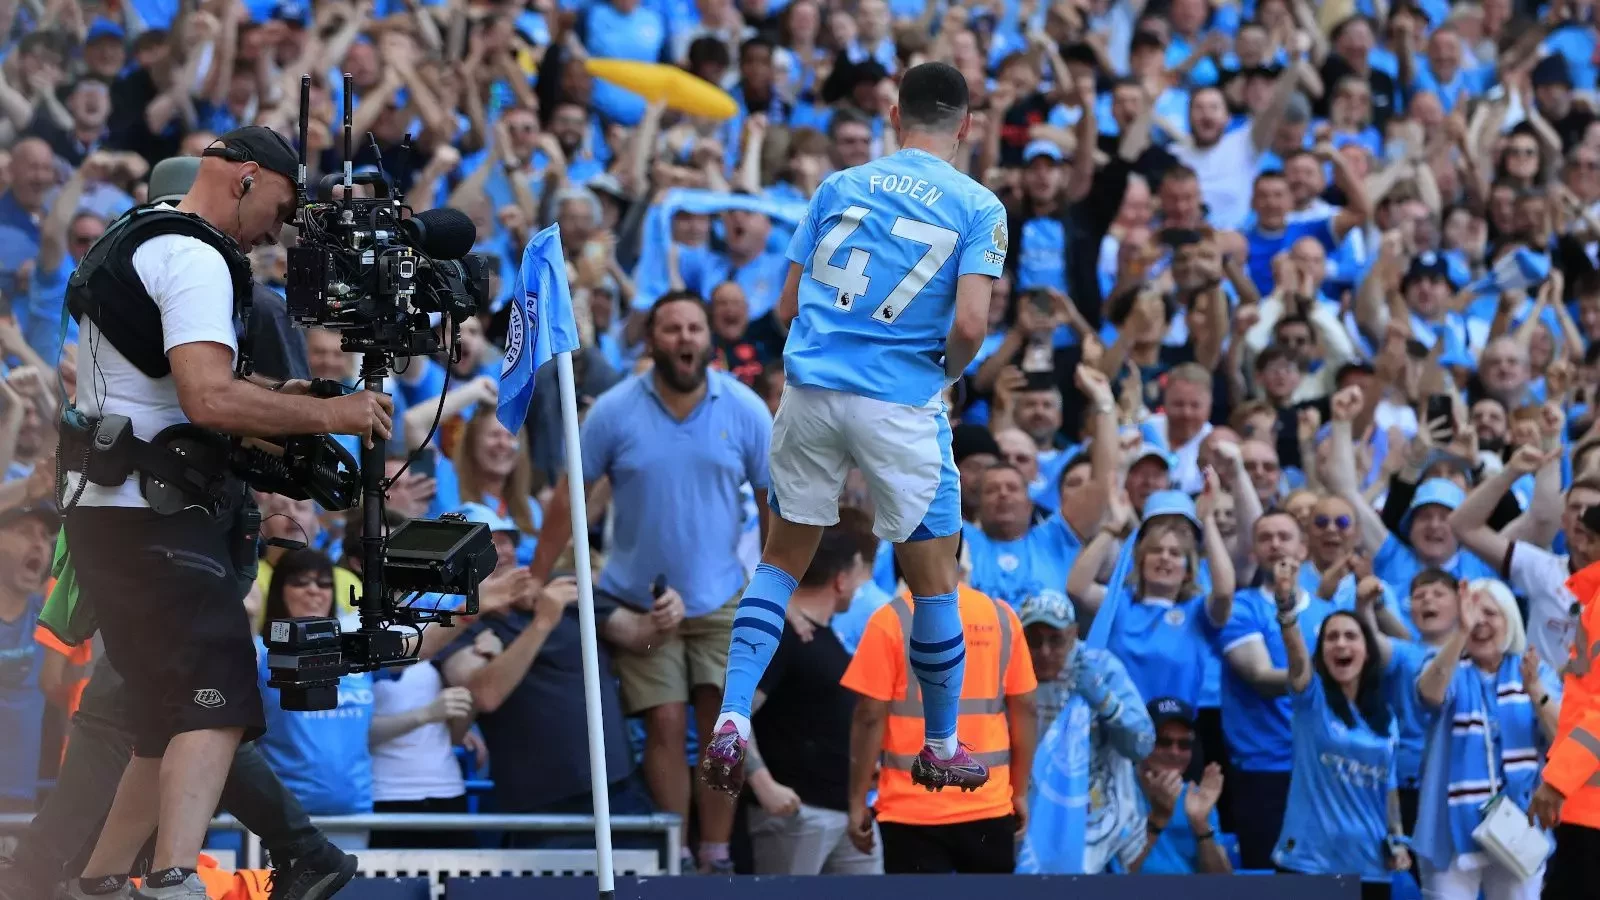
(1175,850)
(1412,718)
(1396,564)
(1338,810)
(1165,646)
(1015,570)
(1256,727)
(882,246)
(21,704)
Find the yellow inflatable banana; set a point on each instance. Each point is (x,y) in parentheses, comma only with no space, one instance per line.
(656,81)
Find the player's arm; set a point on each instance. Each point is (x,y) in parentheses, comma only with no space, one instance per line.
(789,297)
(971,324)
(982,260)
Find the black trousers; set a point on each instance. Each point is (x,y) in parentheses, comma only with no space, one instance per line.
(1574,869)
(422,840)
(167,592)
(61,837)
(1258,800)
(1212,747)
(987,846)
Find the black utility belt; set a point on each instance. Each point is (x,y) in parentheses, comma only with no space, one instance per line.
(181,467)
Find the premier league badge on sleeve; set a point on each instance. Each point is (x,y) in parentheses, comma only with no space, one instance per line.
(997,256)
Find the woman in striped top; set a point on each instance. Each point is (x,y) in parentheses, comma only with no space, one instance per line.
(1496,705)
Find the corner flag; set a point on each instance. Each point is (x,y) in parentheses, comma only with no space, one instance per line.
(542,327)
(541,324)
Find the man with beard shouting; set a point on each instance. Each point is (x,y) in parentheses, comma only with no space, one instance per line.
(676,442)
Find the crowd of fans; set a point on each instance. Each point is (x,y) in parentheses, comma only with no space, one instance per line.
(1301,307)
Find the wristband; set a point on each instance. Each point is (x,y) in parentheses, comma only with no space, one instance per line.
(1205,837)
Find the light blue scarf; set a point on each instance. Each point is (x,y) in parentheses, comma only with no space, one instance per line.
(1457,781)
(651,278)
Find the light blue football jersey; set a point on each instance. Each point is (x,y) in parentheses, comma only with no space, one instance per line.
(882,246)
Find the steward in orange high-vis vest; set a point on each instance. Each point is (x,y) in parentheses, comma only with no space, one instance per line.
(1569,797)
(947,831)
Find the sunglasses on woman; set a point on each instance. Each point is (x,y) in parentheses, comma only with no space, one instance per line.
(1342,523)
(306,581)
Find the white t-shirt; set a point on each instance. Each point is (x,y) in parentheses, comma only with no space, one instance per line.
(1227,171)
(1187,477)
(193,289)
(1541,576)
(420,764)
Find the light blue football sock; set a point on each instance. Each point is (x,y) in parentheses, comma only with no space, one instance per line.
(939,660)
(757,628)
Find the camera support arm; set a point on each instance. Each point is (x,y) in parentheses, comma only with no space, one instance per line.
(374,367)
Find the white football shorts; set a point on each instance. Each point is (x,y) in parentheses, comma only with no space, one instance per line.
(819,435)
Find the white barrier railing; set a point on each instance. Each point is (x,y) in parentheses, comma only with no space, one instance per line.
(670,827)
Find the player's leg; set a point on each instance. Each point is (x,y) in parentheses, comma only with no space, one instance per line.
(905,455)
(807,466)
(938,646)
(758,624)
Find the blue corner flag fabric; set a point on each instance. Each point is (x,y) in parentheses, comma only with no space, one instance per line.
(541,324)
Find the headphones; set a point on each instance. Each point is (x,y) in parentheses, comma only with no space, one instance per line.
(248,183)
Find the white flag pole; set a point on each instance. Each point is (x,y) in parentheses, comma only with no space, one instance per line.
(598,782)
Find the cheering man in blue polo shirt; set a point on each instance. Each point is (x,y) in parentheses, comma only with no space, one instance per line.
(676,442)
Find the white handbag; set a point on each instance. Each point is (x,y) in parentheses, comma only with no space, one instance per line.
(1505,834)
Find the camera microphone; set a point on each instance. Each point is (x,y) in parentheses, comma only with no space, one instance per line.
(441,233)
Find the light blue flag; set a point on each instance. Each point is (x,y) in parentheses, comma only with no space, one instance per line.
(1518,270)
(1059,800)
(541,324)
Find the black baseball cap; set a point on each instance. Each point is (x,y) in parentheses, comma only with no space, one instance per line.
(1353,367)
(1552,70)
(1170,709)
(1427,264)
(260,145)
(43,510)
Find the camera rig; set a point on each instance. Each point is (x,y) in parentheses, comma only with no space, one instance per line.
(367,269)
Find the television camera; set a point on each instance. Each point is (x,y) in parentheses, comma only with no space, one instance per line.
(368,269)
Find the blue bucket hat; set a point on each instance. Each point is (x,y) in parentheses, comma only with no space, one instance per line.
(1433,492)
(477,512)
(1170,503)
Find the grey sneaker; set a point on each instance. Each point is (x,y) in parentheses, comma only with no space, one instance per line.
(192,888)
(70,890)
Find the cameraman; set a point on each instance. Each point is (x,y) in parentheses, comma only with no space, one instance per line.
(167,590)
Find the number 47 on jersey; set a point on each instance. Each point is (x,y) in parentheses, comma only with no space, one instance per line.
(851,279)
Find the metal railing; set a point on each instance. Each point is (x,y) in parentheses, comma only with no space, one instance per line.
(670,827)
